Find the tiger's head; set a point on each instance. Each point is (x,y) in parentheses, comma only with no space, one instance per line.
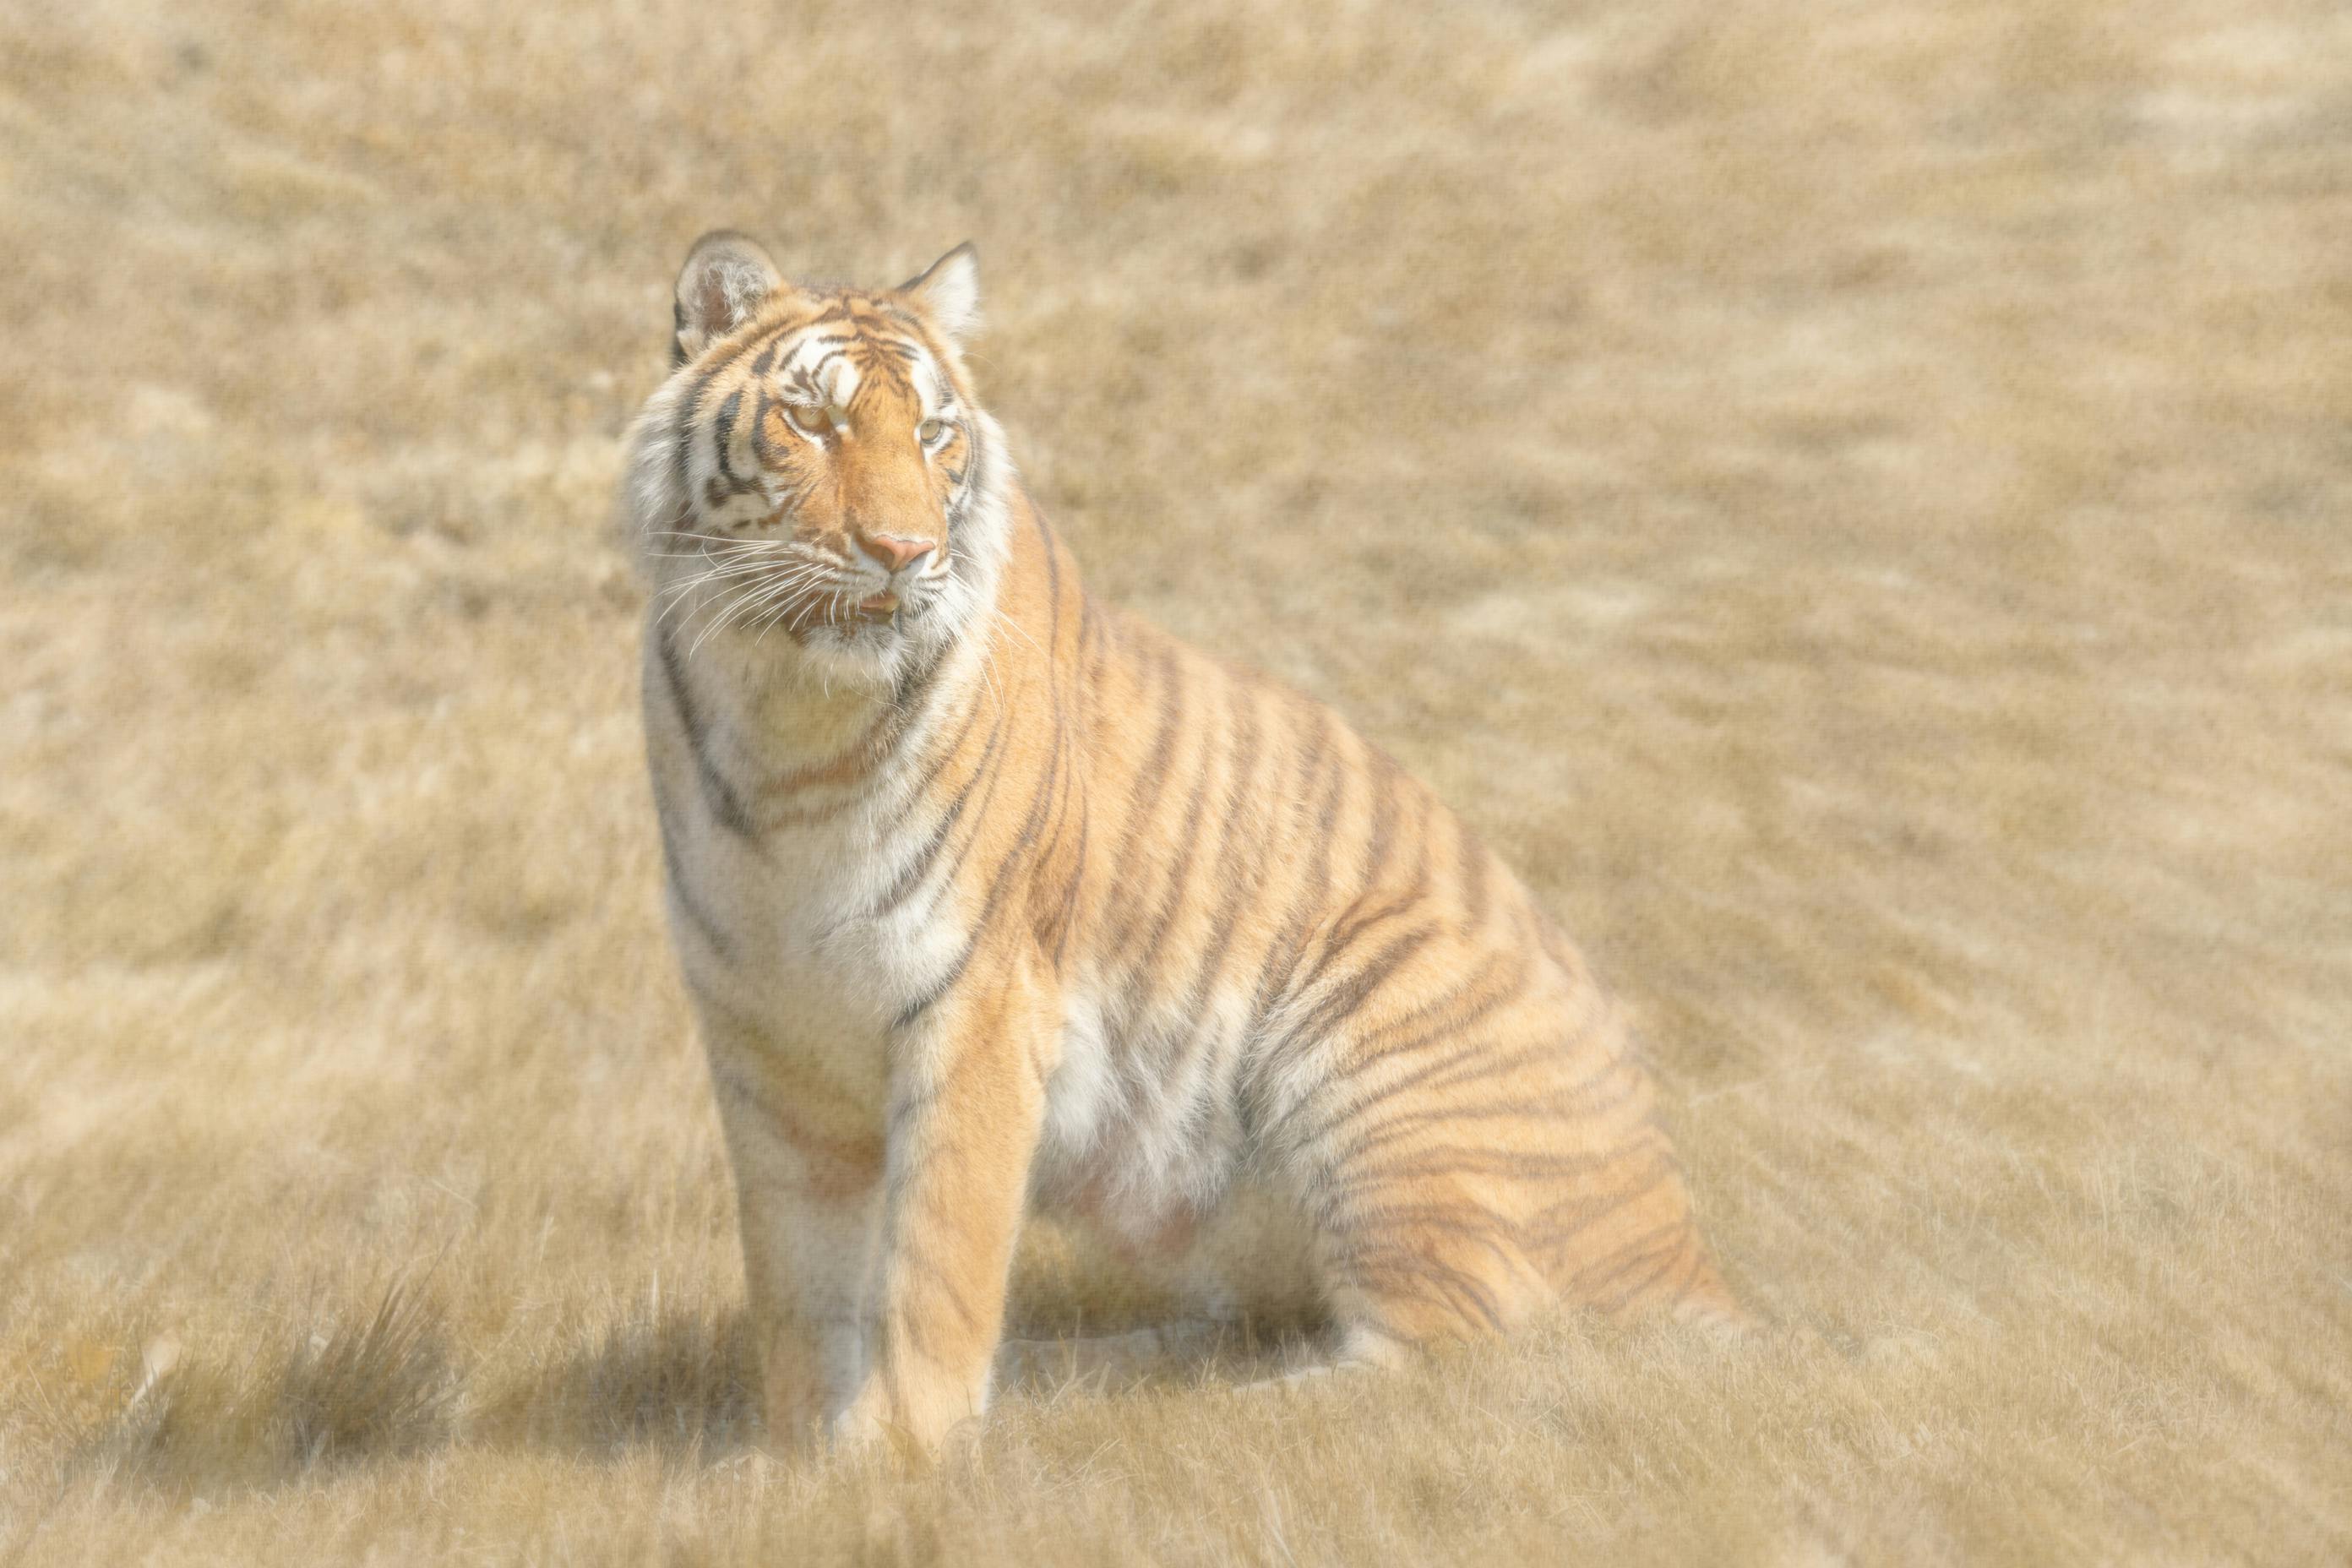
(815,470)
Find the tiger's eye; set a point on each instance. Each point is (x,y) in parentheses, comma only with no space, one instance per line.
(930,431)
(809,416)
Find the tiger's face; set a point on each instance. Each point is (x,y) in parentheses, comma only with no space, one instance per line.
(823,467)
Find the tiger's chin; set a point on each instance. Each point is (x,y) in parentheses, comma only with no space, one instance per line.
(876,643)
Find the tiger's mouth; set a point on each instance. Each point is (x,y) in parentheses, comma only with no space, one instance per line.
(901,604)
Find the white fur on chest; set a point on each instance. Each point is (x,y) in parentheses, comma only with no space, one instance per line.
(807,958)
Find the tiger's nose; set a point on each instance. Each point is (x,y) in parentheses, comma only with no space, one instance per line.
(895,554)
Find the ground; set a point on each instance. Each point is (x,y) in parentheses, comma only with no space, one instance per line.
(1854,501)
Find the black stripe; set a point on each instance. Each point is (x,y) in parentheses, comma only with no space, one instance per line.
(1237,888)
(776,347)
(1071,889)
(1394,1269)
(1345,996)
(804,378)
(939,760)
(689,405)
(991,767)
(1284,954)
(1180,874)
(1384,815)
(723,437)
(997,887)
(1042,803)
(919,865)
(930,997)
(688,903)
(1454,1118)
(725,804)
(1559,1223)
(1490,989)
(1452,1026)
(1153,776)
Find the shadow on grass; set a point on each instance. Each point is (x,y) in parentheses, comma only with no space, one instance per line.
(681,1381)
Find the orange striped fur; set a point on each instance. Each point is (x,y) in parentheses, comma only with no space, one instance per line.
(992,899)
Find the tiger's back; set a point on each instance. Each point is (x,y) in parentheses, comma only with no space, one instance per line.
(1024,905)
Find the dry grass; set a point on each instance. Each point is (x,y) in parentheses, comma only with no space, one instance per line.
(1856,506)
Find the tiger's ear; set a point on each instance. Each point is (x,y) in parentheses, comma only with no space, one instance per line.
(724,278)
(946,294)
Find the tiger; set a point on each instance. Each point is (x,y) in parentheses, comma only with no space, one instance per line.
(993,901)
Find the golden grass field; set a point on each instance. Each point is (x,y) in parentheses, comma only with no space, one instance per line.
(1855,500)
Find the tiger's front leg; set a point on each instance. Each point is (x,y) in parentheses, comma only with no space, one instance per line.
(967,1095)
(808,1163)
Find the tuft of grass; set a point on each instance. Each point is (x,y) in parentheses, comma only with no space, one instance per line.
(382,1384)
(356,1388)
